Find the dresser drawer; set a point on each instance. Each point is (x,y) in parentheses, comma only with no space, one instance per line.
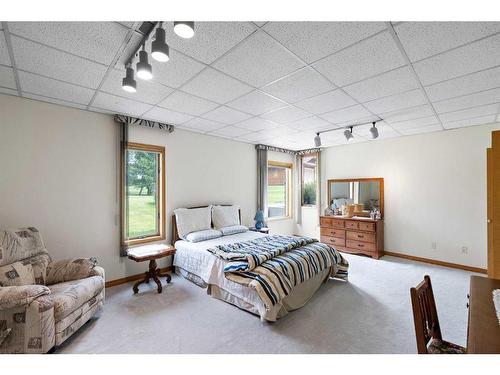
(337,223)
(367,226)
(325,221)
(361,245)
(361,236)
(332,232)
(333,240)
(351,224)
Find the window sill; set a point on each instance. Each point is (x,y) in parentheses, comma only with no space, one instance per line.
(280,218)
(142,241)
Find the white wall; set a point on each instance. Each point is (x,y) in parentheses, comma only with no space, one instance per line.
(58,173)
(435,190)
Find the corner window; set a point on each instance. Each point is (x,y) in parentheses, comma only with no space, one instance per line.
(279,177)
(309,176)
(143,194)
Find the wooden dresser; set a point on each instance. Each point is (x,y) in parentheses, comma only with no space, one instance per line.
(357,235)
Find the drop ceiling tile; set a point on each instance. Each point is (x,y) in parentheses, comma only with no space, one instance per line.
(361,120)
(470,122)
(286,114)
(7,77)
(421,130)
(176,71)
(260,23)
(230,131)
(216,86)
(390,83)
(304,83)
(203,125)
(424,39)
(484,80)
(167,116)
(252,137)
(211,39)
(34,84)
(314,40)
(351,114)
(52,63)
(97,41)
(256,124)
(373,56)
(120,105)
(416,123)
(258,60)
(398,101)
(256,103)
(182,102)
(226,115)
(4,52)
(310,123)
(326,102)
(471,58)
(4,90)
(468,101)
(463,114)
(45,99)
(407,114)
(149,92)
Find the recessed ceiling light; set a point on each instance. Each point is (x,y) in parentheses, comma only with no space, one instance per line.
(129,84)
(185,29)
(144,70)
(159,49)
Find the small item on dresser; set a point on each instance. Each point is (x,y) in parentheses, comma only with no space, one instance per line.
(372,214)
(348,210)
(329,212)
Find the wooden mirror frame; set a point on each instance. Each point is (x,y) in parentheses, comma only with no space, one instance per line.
(380,180)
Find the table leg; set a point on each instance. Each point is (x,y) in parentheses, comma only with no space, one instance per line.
(135,288)
(153,271)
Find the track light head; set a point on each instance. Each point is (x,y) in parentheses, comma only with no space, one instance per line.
(159,49)
(317,140)
(128,83)
(185,29)
(374,131)
(144,70)
(348,134)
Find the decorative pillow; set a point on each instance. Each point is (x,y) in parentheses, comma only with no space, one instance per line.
(192,220)
(203,235)
(17,274)
(225,216)
(233,229)
(69,270)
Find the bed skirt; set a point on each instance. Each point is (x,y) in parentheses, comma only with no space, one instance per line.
(297,298)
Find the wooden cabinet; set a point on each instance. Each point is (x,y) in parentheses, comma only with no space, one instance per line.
(354,235)
(493,201)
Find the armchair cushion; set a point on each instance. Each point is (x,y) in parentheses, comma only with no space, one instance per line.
(69,270)
(19,296)
(16,274)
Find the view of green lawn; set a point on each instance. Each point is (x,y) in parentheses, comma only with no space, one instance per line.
(142,215)
(276,195)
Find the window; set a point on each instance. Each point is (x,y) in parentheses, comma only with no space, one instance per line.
(309,179)
(279,176)
(143,194)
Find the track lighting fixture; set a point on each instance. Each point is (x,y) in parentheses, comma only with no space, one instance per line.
(144,70)
(348,134)
(317,140)
(374,130)
(159,49)
(129,84)
(185,29)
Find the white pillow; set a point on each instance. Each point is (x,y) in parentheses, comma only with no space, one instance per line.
(225,216)
(233,229)
(203,235)
(192,220)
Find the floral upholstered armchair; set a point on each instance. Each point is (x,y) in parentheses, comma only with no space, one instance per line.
(42,302)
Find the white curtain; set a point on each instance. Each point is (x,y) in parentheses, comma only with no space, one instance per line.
(298,189)
(262,180)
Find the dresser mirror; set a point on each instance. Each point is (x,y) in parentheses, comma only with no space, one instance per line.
(368,193)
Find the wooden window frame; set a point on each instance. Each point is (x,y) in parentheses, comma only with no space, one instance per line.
(160,236)
(289,203)
(302,180)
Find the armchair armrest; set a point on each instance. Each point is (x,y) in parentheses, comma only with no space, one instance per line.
(70,269)
(19,296)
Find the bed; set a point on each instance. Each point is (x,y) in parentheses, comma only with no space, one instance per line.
(194,262)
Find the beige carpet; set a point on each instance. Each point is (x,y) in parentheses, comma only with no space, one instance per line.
(369,314)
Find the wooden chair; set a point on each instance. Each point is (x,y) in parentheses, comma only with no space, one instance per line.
(427,329)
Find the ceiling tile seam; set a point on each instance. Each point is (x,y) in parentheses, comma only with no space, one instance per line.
(474,106)
(462,76)
(12,58)
(398,43)
(391,95)
(55,79)
(117,56)
(411,119)
(457,47)
(468,94)
(498,113)
(54,98)
(5,66)
(470,118)
(329,80)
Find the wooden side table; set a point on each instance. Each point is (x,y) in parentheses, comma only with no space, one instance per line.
(151,253)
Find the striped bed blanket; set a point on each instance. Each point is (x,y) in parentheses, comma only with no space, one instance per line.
(273,265)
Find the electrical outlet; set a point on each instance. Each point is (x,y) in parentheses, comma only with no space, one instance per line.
(465,250)
(434,245)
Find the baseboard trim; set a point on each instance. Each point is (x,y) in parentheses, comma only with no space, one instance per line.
(128,279)
(436,262)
